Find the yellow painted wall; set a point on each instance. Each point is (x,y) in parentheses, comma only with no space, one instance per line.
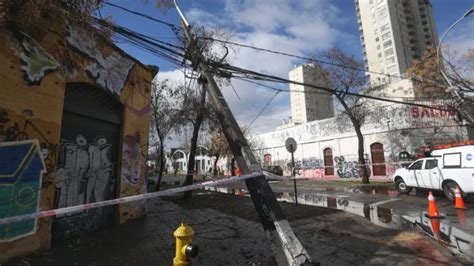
(41,104)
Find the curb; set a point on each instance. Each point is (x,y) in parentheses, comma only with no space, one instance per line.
(451,238)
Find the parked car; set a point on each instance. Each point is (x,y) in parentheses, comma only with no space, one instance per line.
(274,169)
(444,170)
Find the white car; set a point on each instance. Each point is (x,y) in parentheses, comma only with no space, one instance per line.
(446,169)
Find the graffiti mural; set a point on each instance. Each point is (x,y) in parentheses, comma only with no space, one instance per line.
(350,169)
(132,159)
(85,172)
(35,61)
(110,72)
(17,131)
(310,167)
(21,170)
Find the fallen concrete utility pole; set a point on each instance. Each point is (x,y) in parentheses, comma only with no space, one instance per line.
(286,247)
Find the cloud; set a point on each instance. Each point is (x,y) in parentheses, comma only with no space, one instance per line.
(295,27)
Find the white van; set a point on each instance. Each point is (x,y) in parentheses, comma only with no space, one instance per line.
(443,171)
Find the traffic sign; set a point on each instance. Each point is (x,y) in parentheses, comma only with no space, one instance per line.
(290,145)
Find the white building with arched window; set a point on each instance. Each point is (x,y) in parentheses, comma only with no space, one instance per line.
(328,148)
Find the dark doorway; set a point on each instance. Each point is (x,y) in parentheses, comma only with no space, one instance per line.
(328,162)
(88,159)
(378,158)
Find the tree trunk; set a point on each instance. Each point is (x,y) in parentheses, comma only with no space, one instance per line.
(214,171)
(360,153)
(192,151)
(232,167)
(162,166)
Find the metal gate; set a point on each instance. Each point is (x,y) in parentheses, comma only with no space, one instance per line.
(88,158)
(378,159)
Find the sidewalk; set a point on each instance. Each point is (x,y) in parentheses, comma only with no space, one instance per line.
(390,210)
(228,233)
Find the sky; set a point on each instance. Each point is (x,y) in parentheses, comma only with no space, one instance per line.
(303,27)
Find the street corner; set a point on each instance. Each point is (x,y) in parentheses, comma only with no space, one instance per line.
(408,248)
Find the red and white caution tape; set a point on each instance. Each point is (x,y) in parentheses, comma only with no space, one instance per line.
(79,208)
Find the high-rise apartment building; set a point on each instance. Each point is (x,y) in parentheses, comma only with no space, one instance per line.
(393,33)
(308,104)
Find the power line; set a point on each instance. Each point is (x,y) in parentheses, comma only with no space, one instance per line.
(263,109)
(145,42)
(176,30)
(317,60)
(280,90)
(249,74)
(236,70)
(171,25)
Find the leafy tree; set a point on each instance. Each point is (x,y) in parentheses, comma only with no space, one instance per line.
(218,147)
(428,80)
(430,83)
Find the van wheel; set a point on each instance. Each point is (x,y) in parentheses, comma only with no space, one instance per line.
(401,186)
(449,189)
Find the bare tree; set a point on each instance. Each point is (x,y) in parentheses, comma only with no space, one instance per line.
(344,81)
(31,16)
(168,106)
(196,115)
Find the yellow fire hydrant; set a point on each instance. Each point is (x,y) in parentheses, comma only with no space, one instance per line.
(185,251)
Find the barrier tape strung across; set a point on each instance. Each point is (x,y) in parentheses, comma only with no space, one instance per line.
(354,163)
(79,208)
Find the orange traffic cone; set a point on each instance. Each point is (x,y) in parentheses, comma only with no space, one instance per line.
(459,203)
(432,208)
(435,227)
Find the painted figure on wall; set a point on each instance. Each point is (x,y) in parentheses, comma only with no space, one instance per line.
(131,159)
(85,172)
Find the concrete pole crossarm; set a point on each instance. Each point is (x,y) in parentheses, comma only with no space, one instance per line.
(287,248)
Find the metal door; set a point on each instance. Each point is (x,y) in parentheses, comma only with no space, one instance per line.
(328,162)
(378,159)
(88,159)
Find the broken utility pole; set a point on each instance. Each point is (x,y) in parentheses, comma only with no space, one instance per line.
(286,247)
